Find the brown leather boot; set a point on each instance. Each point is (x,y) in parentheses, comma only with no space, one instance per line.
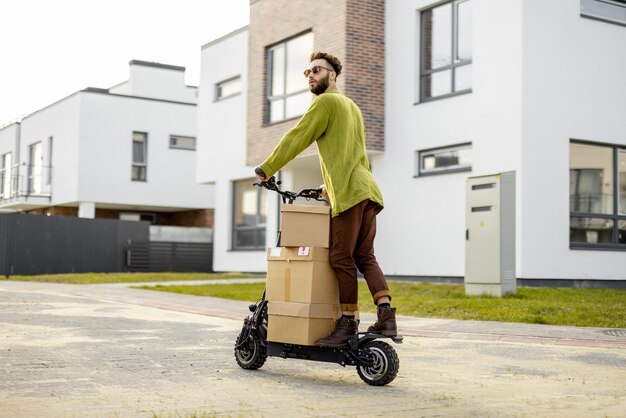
(346,328)
(386,324)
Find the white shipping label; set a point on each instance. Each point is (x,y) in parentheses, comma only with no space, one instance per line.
(303,250)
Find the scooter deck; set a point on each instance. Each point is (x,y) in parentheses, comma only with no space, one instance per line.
(311,352)
(351,355)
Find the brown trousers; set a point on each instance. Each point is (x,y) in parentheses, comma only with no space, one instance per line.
(352,236)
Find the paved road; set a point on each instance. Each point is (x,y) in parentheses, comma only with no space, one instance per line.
(109,351)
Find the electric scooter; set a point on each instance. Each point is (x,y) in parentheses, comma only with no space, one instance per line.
(376,361)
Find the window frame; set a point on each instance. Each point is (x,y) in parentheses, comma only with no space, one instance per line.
(459,168)
(49,167)
(453,66)
(144,164)
(35,169)
(269,98)
(172,146)
(608,11)
(218,88)
(615,216)
(6,173)
(258,226)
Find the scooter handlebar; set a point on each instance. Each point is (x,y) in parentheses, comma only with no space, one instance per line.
(288,196)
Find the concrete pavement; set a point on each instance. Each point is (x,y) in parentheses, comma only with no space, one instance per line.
(111,351)
(410,326)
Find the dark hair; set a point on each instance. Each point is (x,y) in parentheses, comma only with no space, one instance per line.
(331,59)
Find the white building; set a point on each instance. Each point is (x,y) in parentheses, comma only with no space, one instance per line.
(125,152)
(471,87)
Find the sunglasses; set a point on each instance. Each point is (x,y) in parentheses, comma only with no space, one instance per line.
(316,69)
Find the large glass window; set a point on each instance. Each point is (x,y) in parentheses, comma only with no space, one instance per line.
(140,156)
(288,94)
(249,217)
(449,159)
(597,196)
(5,176)
(446,50)
(49,167)
(35,168)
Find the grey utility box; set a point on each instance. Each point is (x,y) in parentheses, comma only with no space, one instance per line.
(490,235)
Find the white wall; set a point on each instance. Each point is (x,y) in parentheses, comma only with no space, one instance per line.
(574,88)
(222,144)
(421,231)
(8,140)
(9,143)
(107,125)
(61,122)
(156,82)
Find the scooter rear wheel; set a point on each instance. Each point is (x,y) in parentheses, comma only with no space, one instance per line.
(385,364)
(250,355)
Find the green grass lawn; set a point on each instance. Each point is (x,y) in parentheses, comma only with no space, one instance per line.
(577,307)
(100,278)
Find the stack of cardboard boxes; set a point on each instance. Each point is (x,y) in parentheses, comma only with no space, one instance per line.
(302,290)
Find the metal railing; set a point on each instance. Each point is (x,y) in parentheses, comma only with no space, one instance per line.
(591,203)
(22,181)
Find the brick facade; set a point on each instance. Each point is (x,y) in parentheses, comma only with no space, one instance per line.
(353,30)
(365,65)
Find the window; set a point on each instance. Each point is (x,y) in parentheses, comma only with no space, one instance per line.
(49,167)
(5,176)
(611,11)
(182,142)
(140,156)
(288,94)
(136,217)
(452,159)
(35,168)
(597,196)
(446,50)
(228,88)
(250,213)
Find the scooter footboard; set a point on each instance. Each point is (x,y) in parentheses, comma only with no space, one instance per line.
(314,353)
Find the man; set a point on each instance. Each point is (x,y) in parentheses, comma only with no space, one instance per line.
(336,124)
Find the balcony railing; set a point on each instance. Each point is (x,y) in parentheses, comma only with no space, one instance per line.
(24,181)
(591,203)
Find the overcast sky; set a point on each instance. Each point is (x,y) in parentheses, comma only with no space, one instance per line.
(50,49)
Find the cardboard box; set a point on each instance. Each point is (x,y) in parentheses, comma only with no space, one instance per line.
(300,323)
(305,226)
(301,274)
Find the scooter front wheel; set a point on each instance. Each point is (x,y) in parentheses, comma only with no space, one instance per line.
(384,367)
(250,354)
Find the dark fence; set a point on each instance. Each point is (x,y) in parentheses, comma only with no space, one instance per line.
(32,244)
(170,256)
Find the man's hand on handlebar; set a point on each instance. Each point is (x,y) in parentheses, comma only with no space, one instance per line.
(323,190)
(260,174)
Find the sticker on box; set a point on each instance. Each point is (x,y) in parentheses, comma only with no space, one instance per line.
(304,250)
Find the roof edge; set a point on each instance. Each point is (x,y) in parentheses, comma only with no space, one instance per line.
(156,65)
(222,38)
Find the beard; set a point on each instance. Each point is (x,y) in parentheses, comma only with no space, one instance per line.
(321,86)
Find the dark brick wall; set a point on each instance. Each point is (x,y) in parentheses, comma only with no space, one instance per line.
(199,217)
(365,59)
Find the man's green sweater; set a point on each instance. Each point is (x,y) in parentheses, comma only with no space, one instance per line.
(336,123)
